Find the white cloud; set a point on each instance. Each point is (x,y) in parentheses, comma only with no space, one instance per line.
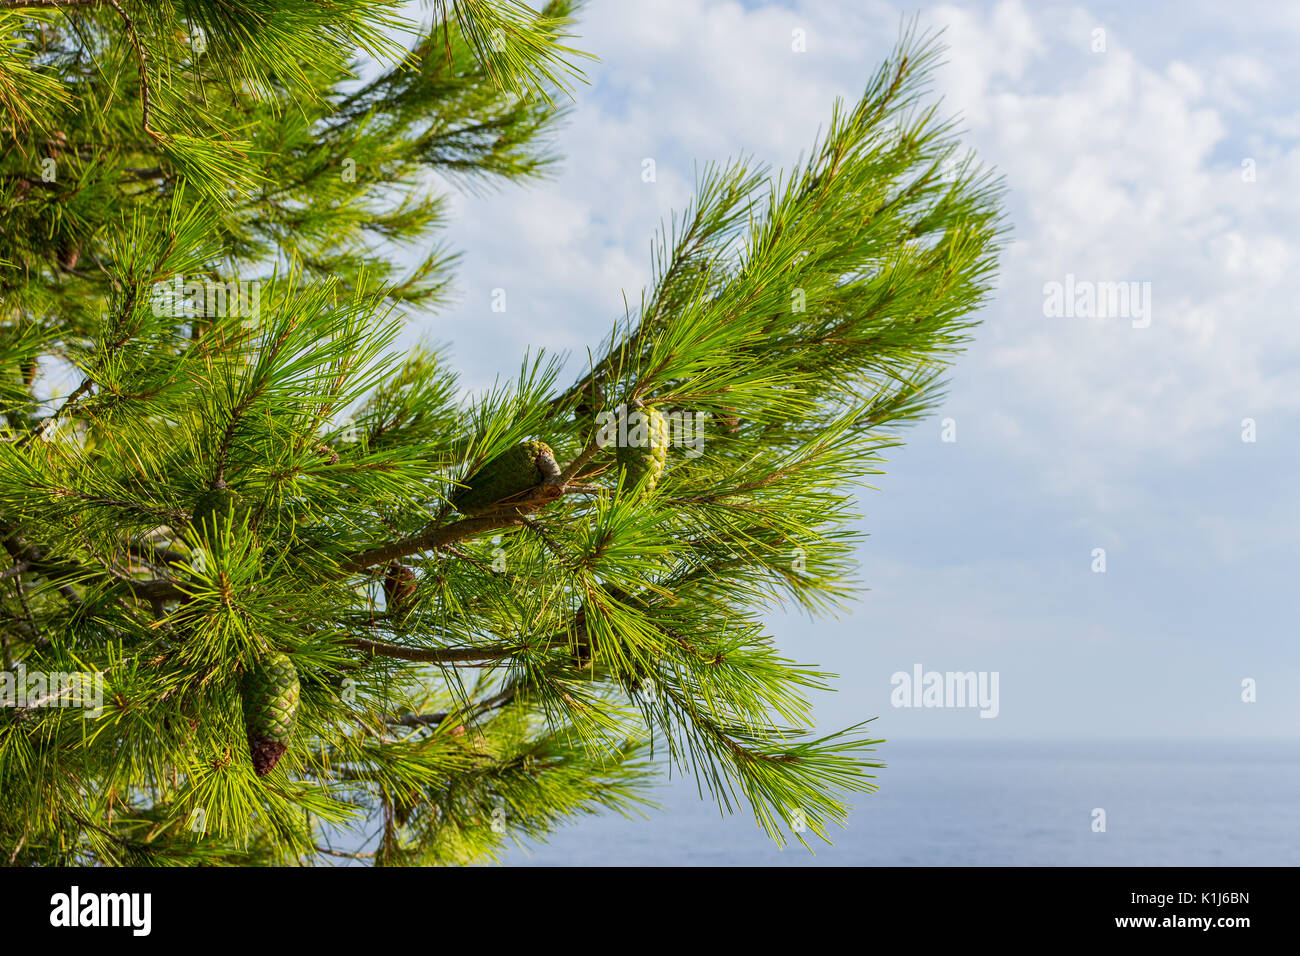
(1117,172)
(1119,169)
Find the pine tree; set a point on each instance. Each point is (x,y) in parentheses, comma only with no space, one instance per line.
(241,515)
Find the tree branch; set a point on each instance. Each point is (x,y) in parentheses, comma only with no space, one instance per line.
(18,568)
(47,4)
(143,59)
(433,720)
(431,538)
(510,513)
(436,655)
(350,856)
(575,466)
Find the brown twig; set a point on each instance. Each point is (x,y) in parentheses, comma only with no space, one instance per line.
(14,855)
(143,59)
(436,655)
(18,568)
(47,4)
(433,720)
(462,655)
(431,538)
(575,466)
(350,856)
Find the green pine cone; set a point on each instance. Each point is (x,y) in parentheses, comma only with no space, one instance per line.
(513,471)
(214,509)
(644,462)
(270,694)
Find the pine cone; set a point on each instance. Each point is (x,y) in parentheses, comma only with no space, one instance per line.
(580,652)
(399,587)
(214,509)
(270,695)
(644,462)
(510,473)
(728,423)
(69,253)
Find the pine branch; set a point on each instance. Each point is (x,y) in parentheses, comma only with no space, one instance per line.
(430,539)
(143,60)
(798,321)
(49,4)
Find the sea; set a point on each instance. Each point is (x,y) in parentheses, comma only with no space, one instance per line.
(991,803)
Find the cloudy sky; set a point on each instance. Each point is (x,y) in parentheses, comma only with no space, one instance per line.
(1163,150)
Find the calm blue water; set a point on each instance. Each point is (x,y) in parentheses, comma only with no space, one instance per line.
(958,803)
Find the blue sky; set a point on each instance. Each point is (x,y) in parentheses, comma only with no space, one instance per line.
(1072,433)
